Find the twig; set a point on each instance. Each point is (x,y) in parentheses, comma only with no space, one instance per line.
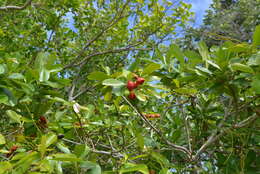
(186,124)
(118,155)
(212,139)
(82,62)
(11,7)
(113,22)
(176,147)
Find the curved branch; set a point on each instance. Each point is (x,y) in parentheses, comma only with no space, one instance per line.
(214,138)
(11,7)
(176,147)
(83,61)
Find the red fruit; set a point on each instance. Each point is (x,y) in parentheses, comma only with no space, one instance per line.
(157,115)
(43,120)
(146,115)
(151,172)
(152,115)
(131,85)
(132,95)
(140,80)
(13,148)
(11,151)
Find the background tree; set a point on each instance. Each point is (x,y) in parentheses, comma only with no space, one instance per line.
(225,20)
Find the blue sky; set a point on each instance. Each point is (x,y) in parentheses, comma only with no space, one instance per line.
(199,7)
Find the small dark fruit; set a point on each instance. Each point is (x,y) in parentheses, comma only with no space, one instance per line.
(60,136)
(132,95)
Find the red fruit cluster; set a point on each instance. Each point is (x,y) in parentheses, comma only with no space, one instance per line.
(132,85)
(152,115)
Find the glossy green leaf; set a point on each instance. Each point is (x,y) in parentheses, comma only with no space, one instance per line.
(2,69)
(256,36)
(134,167)
(93,168)
(205,70)
(97,75)
(63,147)
(241,67)
(159,158)
(151,68)
(14,116)
(12,101)
(2,139)
(188,91)
(51,138)
(213,64)
(81,150)
(256,84)
(46,141)
(140,96)
(134,65)
(175,51)
(4,99)
(113,82)
(25,162)
(5,166)
(44,75)
(140,140)
(16,76)
(203,50)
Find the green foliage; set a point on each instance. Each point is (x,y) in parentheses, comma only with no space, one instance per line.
(65,106)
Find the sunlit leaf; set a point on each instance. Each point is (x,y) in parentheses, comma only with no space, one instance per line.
(97,75)
(93,168)
(134,167)
(151,68)
(2,139)
(241,67)
(14,116)
(256,36)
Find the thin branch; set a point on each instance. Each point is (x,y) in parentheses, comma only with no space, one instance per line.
(82,62)
(82,91)
(11,7)
(130,47)
(176,147)
(212,139)
(113,22)
(117,155)
(187,126)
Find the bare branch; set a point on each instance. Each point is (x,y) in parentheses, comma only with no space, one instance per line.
(114,21)
(214,138)
(187,125)
(117,155)
(82,62)
(11,7)
(176,147)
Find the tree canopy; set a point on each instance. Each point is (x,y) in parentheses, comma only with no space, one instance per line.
(100,86)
